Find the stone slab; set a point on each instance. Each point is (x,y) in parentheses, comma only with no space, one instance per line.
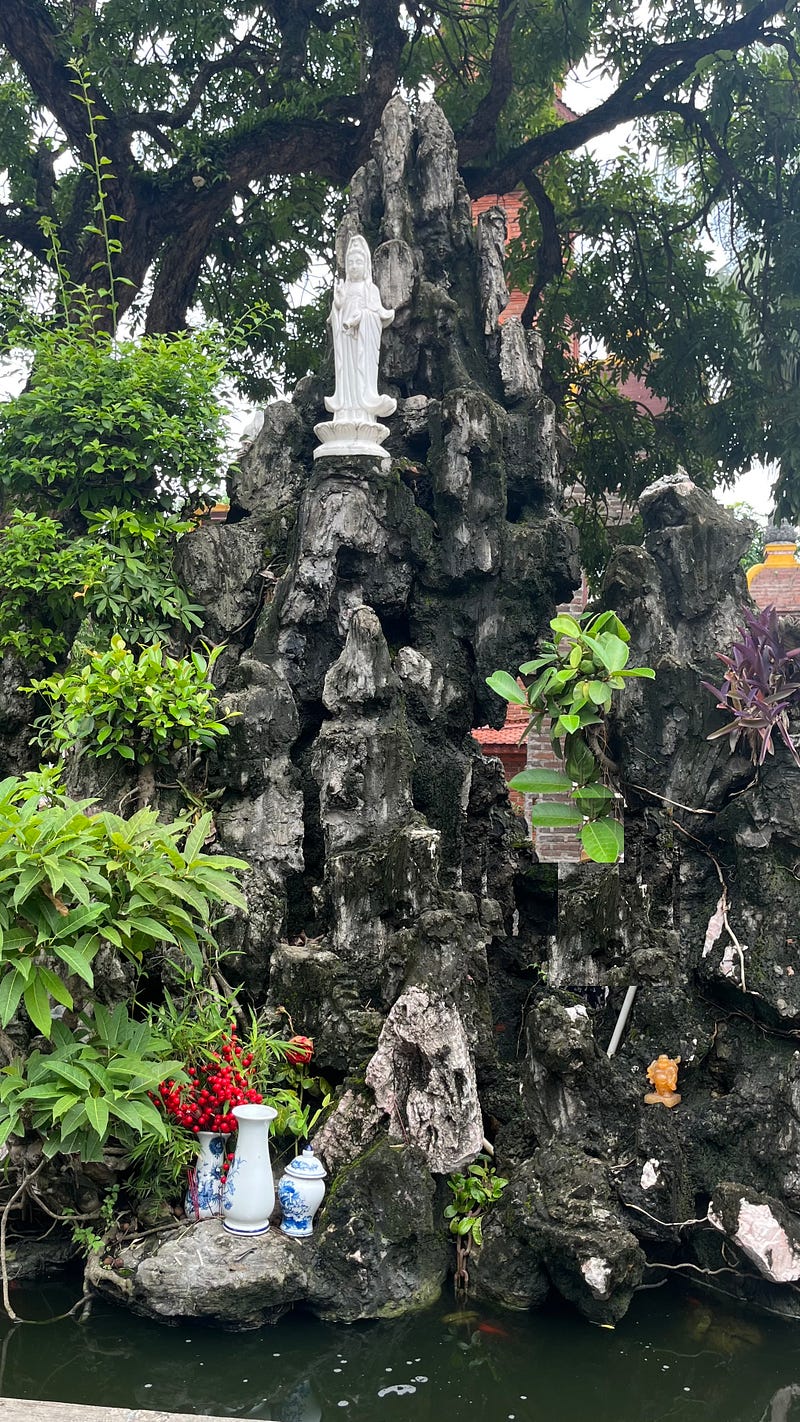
(14,1409)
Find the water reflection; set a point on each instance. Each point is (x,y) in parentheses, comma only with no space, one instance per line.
(672,1358)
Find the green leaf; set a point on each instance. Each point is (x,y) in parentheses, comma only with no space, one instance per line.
(127,1111)
(506,686)
(565,626)
(639,671)
(68,1072)
(76,961)
(568,723)
(56,988)
(97,1114)
(603,840)
(614,653)
(551,814)
(592,793)
(37,1005)
(540,782)
(64,1104)
(12,985)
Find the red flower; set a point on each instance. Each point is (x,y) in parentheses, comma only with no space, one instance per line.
(302,1050)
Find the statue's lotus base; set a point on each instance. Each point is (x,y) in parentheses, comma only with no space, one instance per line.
(663,1098)
(343,438)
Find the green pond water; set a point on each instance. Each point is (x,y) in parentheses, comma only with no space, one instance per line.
(676,1356)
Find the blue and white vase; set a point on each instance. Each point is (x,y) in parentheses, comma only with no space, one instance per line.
(300,1192)
(249,1195)
(204,1195)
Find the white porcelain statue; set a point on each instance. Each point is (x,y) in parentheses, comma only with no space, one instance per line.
(358,318)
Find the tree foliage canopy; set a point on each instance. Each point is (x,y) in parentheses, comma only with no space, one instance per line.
(232,126)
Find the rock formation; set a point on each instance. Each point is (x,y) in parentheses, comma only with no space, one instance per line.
(379,840)
(391,908)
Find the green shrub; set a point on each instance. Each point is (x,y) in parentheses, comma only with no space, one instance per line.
(71,882)
(135,593)
(120,574)
(115,422)
(89,1087)
(139,707)
(43,577)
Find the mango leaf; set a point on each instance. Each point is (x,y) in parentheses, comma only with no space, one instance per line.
(127,1111)
(506,686)
(75,961)
(55,986)
(37,1005)
(12,986)
(97,1114)
(540,782)
(603,840)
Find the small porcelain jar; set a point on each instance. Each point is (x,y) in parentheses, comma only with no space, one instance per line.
(300,1192)
(204,1196)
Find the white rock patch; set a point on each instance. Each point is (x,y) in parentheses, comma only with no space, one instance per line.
(597,1274)
(763,1240)
(650,1174)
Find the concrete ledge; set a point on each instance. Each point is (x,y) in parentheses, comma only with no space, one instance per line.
(13,1409)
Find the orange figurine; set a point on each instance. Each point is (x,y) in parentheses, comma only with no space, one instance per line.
(663,1075)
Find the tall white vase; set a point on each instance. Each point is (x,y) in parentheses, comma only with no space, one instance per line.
(249,1196)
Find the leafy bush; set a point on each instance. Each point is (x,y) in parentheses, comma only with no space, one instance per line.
(141,708)
(120,573)
(114,422)
(71,882)
(575,677)
(42,575)
(760,688)
(89,1087)
(136,593)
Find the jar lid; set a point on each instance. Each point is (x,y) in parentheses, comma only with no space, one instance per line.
(306,1165)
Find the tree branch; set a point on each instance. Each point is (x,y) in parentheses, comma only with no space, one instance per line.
(549,254)
(695,118)
(21,225)
(388,41)
(30,36)
(288,147)
(477,135)
(154,120)
(180,265)
(663,69)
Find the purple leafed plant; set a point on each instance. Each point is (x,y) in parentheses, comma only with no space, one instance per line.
(761,687)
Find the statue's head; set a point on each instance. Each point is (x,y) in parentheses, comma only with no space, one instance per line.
(357,260)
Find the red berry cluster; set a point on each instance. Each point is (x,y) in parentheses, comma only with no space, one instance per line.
(215,1087)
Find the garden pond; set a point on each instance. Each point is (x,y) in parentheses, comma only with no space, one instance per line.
(677,1355)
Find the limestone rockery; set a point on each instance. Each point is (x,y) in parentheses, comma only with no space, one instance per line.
(393,909)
